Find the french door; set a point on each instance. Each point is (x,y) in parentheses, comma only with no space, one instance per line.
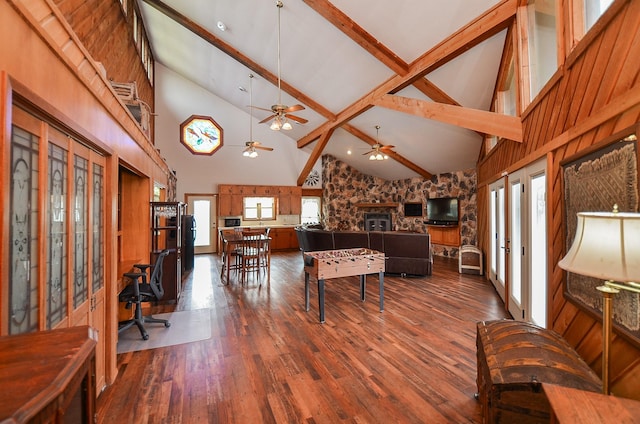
(526,234)
(499,243)
(203,207)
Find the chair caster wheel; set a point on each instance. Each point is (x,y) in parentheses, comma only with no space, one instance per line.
(145,337)
(168,324)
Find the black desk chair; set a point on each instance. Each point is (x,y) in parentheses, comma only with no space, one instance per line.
(140,290)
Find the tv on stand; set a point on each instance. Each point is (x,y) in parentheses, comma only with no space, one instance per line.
(442,211)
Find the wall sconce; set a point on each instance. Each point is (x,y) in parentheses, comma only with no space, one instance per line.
(607,246)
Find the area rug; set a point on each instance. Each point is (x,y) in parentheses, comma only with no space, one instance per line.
(186,327)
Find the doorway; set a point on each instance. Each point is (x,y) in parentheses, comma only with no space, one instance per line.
(203,207)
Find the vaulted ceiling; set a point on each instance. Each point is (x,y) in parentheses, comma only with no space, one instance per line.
(423,71)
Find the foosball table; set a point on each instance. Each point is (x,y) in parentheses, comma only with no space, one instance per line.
(342,263)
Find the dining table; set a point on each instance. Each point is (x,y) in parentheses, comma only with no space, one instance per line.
(232,240)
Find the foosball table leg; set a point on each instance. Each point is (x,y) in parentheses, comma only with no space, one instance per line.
(321,298)
(363,286)
(306,291)
(381,278)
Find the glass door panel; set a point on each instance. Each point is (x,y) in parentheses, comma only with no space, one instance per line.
(203,208)
(516,250)
(538,248)
(498,236)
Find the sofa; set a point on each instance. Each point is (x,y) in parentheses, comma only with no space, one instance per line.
(406,253)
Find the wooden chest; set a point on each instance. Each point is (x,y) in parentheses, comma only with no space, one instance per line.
(514,359)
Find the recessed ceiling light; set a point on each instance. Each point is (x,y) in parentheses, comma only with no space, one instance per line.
(222,26)
(241,88)
(348,152)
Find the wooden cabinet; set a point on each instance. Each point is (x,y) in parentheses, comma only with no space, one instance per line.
(231,198)
(448,236)
(166,233)
(289,200)
(283,238)
(48,376)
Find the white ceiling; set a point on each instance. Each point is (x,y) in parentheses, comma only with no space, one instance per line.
(330,68)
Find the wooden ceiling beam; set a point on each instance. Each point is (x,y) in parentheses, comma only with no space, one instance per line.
(393,155)
(315,155)
(354,31)
(480,29)
(506,126)
(238,56)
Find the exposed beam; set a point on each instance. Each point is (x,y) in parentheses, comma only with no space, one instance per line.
(432,91)
(505,126)
(317,151)
(238,56)
(395,156)
(359,35)
(480,29)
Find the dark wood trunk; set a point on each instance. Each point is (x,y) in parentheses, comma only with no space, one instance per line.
(514,359)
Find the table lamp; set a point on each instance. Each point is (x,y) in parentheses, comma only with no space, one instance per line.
(607,246)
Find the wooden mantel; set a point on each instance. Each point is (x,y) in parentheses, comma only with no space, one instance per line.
(377,205)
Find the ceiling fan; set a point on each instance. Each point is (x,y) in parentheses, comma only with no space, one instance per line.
(252,146)
(379,151)
(281,114)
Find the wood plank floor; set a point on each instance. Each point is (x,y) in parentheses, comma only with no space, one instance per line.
(270,361)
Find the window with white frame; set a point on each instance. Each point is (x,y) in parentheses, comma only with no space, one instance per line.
(259,208)
(593,9)
(310,210)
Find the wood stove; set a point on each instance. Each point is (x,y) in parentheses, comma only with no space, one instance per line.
(377,222)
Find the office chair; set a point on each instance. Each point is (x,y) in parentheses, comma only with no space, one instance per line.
(140,290)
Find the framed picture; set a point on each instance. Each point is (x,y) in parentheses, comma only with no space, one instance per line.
(594,182)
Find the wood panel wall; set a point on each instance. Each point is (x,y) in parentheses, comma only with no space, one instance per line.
(595,95)
(107,34)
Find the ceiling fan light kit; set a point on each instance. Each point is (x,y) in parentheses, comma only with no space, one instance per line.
(377,153)
(250,150)
(282,113)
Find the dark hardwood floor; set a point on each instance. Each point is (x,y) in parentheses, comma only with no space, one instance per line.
(270,361)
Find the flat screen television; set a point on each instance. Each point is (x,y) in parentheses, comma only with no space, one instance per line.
(442,211)
(413,209)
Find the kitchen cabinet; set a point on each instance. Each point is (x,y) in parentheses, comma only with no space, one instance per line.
(283,238)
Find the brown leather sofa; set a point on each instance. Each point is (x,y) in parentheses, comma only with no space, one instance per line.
(407,253)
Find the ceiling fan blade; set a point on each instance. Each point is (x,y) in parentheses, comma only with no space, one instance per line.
(297,119)
(293,108)
(263,148)
(369,152)
(387,147)
(267,119)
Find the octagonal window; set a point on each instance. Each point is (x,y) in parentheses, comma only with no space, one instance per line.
(201,135)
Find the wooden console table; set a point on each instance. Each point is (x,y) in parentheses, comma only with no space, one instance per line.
(48,376)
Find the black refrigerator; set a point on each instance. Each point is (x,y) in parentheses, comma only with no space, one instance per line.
(188,240)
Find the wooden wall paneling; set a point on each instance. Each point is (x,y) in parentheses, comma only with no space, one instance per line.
(582,70)
(598,73)
(620,46)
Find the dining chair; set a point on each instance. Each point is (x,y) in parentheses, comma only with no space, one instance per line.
(250,253)
(231,249)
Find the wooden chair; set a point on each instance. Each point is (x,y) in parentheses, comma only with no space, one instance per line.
(250,253)
(230,252)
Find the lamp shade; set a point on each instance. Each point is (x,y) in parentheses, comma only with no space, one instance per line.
(606,246)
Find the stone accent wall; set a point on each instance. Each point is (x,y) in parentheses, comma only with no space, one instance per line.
(344,187)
